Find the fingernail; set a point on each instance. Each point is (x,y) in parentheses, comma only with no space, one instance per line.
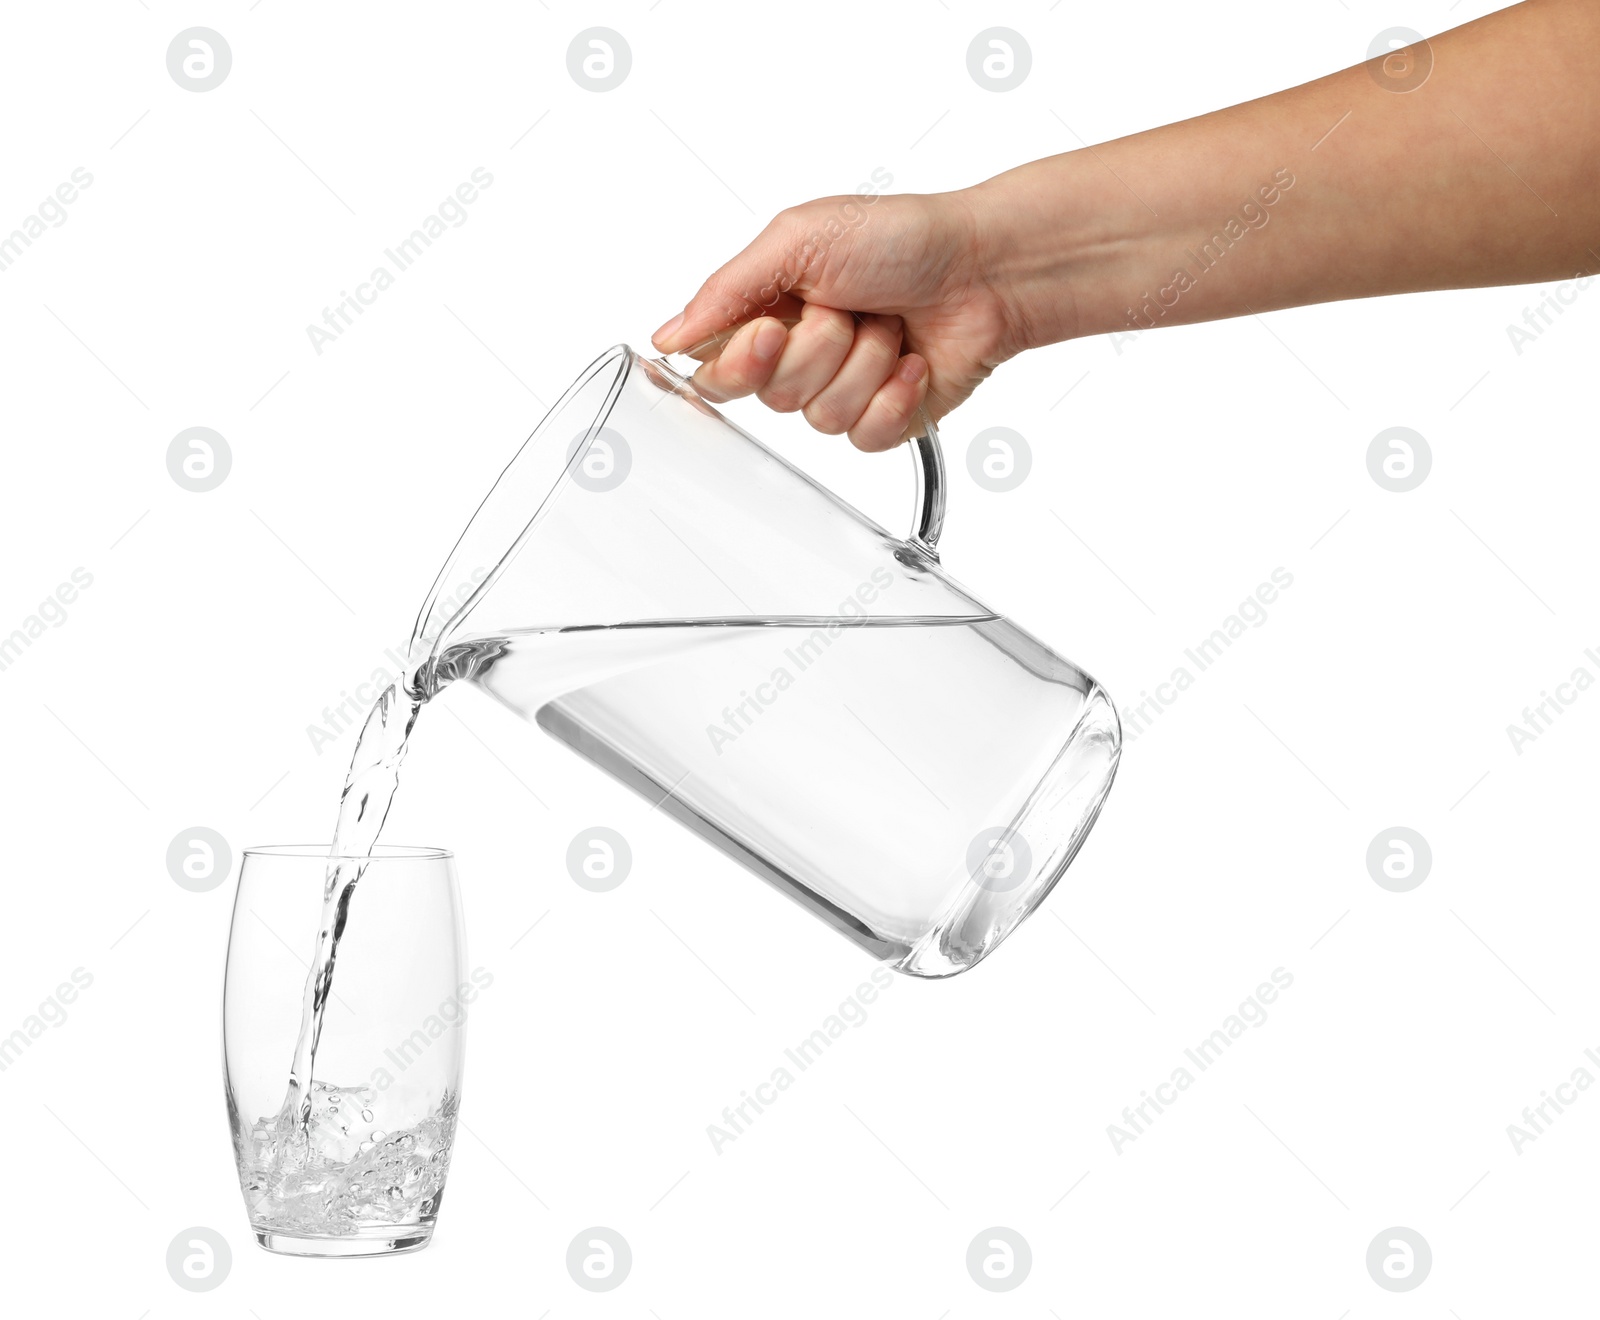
(769,339)
(662,338)
(912,369)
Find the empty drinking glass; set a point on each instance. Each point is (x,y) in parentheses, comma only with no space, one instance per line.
(362,1173)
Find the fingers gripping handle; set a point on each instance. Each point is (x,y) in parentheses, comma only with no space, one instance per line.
(926,455)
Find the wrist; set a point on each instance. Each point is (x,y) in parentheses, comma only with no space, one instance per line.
(1060,241)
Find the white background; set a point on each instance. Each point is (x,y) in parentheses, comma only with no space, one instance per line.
(1194,462)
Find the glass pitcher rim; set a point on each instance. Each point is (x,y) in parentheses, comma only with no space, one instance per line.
(447,605)
(619,360)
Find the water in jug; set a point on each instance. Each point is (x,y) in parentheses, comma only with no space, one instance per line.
(809,693)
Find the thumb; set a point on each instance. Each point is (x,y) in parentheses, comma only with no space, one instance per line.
(763,280)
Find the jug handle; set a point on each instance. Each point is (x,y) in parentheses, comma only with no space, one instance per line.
(927,458)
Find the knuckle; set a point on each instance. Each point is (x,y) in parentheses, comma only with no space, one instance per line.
(885,418)
(881,428)
(883,336)
(894,407)
(781,398)
(834,329)
(709,388)
(825,416)
(731,380)
(746,380)
(800,213)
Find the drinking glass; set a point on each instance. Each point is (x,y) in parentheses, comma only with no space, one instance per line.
(365,1174)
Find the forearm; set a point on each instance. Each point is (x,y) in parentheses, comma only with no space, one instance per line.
(1488,173)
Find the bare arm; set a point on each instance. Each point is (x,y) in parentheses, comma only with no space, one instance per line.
(1375,180)
(1488,172)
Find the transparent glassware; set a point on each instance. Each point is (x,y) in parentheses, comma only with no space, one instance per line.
(809,693)
(367,1175)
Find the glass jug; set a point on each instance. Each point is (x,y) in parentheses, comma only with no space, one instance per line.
(811,695)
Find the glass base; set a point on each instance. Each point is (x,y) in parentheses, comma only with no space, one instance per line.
(382,1240)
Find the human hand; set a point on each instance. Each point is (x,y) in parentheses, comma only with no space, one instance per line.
(856,310)
(856,329)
